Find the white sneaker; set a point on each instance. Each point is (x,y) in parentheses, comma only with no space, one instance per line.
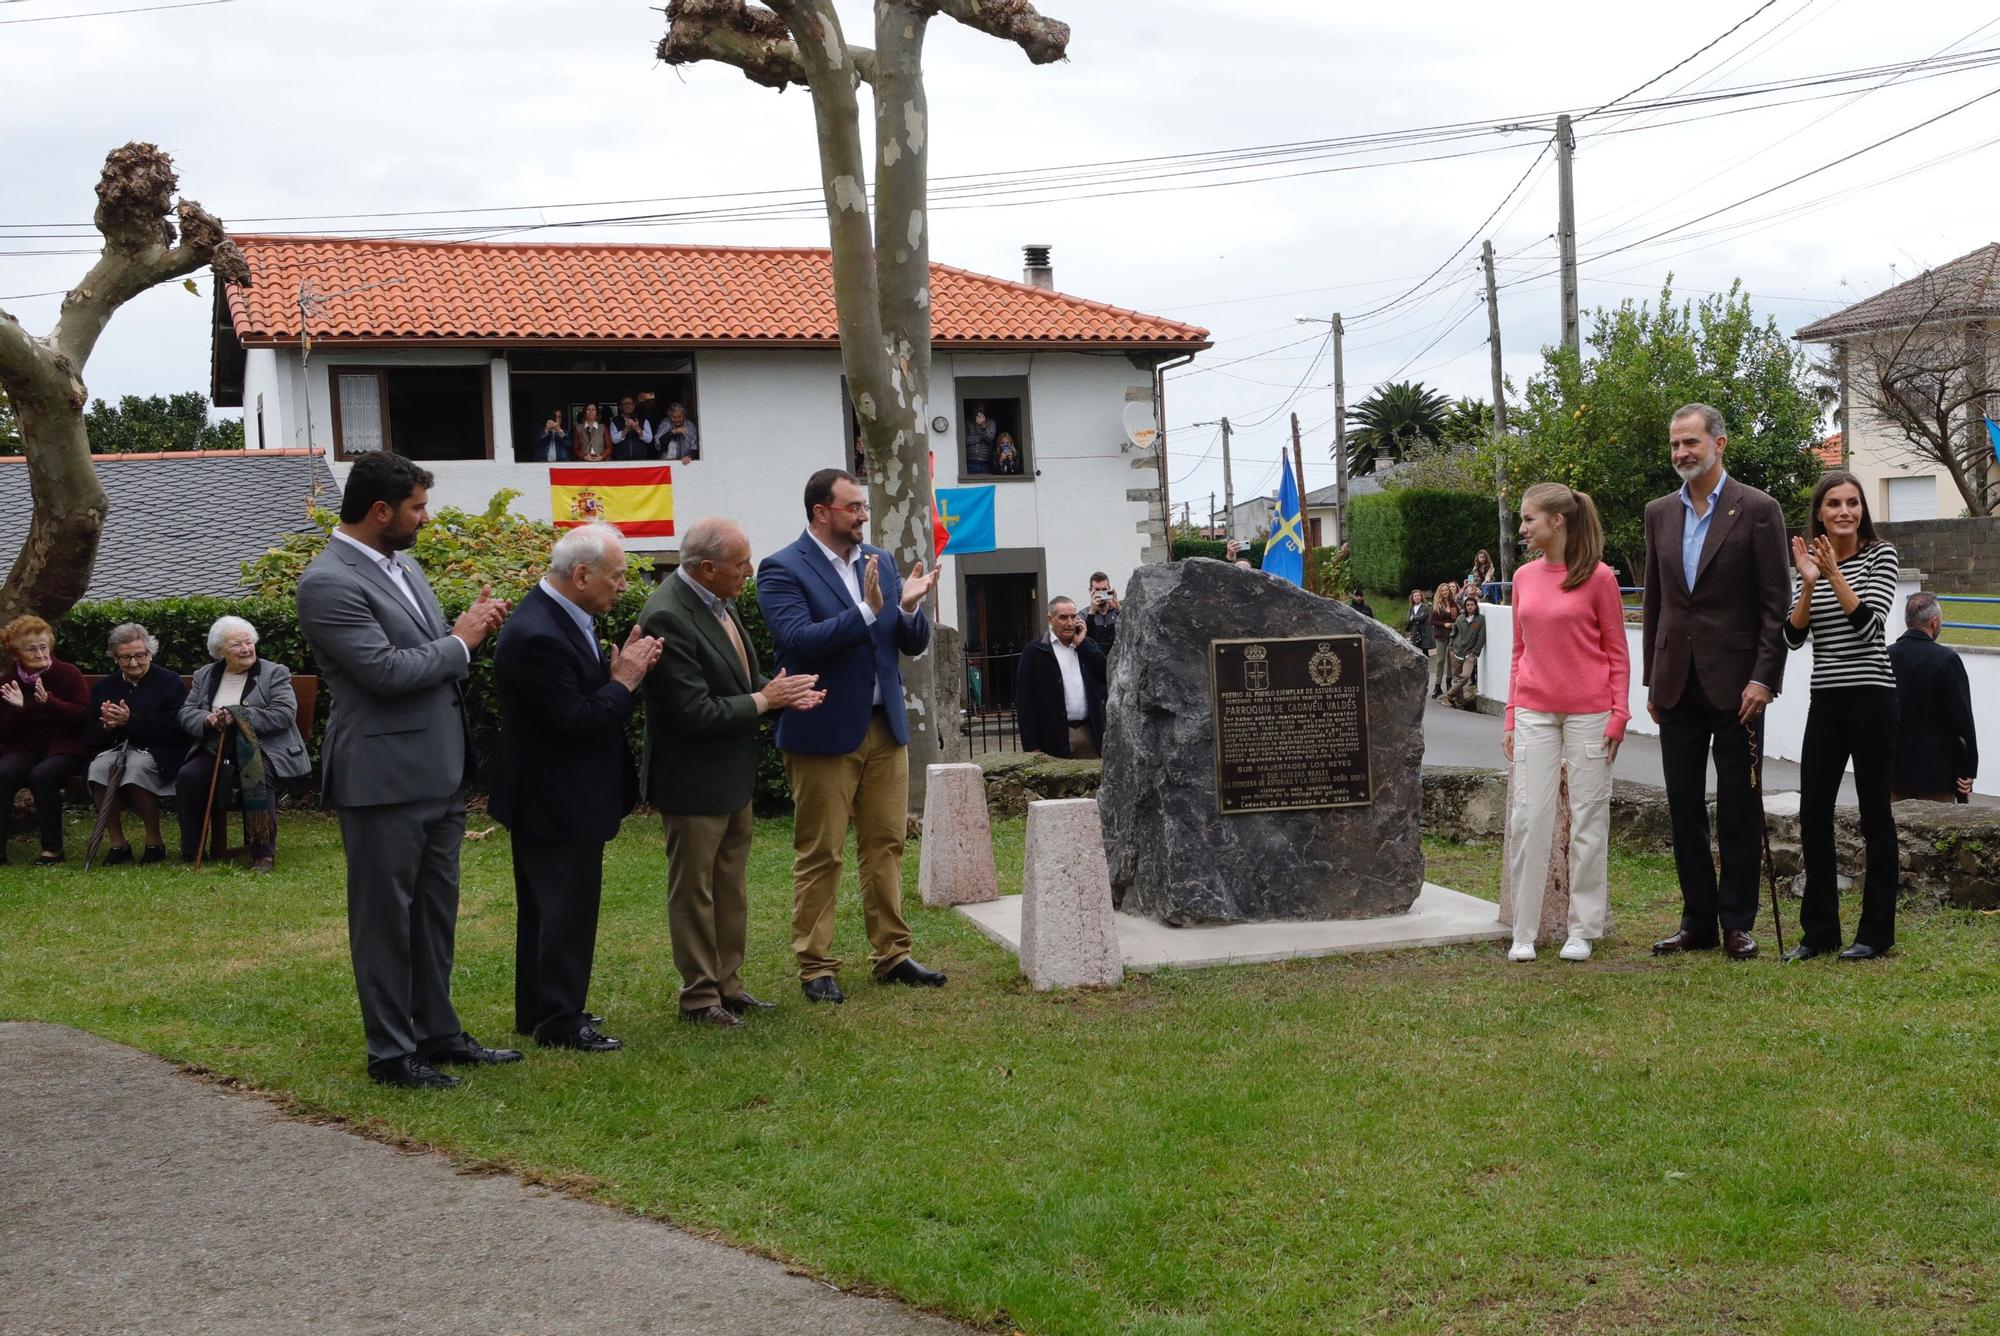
(1576,948)
(1521,952)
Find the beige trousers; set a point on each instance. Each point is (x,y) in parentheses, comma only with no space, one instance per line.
(1543,745)
(708,902)
(870,788)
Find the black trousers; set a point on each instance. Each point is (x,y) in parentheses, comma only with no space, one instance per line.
(191,796)
(1691,730)
(557,888)
(1859,722)
(43,777)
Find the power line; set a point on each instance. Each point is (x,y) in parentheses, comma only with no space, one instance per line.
(107,13)
(1671,68)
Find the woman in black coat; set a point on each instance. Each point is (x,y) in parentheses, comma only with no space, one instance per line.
(135,720)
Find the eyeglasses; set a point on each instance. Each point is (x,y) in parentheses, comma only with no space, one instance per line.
(136,656)
(853,508)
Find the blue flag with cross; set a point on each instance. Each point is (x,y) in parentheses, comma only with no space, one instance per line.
(1285,550)
(966,515)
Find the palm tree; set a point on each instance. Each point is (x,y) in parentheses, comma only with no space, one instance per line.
(1392,421)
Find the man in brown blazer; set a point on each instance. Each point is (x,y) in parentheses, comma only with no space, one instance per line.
(703,703)
(1718,588)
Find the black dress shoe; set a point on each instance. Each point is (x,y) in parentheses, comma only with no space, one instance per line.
(743,1002)
(120,854)
(462,1047)
(1860,951)
(824,989)
(155,853)
(1801,952)
(1739,945)
(584,1039)
(409,1072)
(1682,941)
(721,1017)
(908,971)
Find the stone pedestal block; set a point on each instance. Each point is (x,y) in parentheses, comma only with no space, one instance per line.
(955,858)
(1068,936)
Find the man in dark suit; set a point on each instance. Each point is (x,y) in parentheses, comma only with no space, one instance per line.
(1718,589)
(1059,694)
(565,778)
(1937,744)
(394,763)
(838,609)
(703,704)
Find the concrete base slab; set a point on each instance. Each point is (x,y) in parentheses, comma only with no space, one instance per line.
(1440,917)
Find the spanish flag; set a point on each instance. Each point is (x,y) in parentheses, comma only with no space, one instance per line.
(639,501)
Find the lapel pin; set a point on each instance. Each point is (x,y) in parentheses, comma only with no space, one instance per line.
(1732,512)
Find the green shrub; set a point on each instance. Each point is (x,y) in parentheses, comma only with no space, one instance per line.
(1416,538)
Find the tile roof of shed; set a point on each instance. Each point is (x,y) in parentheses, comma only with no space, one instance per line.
(183,524)
(1968,287)
(489,292)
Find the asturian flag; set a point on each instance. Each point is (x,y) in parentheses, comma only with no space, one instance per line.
(1285,550)
(1993,436)
(639,501)
(965,514)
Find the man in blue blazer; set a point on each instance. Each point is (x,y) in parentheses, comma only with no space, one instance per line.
(837,608)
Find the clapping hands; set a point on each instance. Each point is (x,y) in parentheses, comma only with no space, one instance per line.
(631,661)
(1813,559)
(480,620)
(917,585)
(793,691)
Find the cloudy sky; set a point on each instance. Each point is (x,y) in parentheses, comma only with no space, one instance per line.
(281,114)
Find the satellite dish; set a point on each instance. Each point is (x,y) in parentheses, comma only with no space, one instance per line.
(1141,428)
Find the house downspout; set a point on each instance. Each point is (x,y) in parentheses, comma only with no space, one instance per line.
(1160,370)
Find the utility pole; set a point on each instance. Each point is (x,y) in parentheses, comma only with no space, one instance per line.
(1566,231)
(1228,485)
(1339,437)
(1506,548)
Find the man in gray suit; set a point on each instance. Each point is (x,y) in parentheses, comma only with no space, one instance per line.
(393,765)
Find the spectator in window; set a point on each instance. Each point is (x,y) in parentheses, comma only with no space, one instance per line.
(981,434)
(262,749)
(552,446)
(44,704)
(589,442)
(631,434)
(1468,642)
(1006,457)
(860,454)
(1101,622)
(135,732)
(1444,615)
(1937,745)
(676,437)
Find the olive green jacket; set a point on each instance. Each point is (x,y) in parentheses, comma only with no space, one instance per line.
(702,741)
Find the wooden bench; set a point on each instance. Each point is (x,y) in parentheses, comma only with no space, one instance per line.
(305,687)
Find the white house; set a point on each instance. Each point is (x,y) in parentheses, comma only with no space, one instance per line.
(456,354)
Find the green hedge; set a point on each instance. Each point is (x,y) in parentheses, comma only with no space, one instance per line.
(181,625)
(1416,538)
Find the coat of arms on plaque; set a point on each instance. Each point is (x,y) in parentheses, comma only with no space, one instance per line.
(1256,672)
(1324,666)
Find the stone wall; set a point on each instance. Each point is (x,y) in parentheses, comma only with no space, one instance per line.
(1960,556)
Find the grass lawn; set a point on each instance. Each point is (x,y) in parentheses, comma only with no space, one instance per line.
(1984,613)
(1426,1141)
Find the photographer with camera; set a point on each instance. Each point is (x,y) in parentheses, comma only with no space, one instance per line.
(1100,622)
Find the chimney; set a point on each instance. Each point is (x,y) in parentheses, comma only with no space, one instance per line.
(1035,270)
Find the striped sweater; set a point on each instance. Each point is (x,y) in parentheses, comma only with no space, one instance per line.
(1851,649)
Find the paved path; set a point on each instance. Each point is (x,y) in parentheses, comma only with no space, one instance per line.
(137,1199)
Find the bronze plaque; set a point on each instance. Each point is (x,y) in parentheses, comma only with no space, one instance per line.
(1291,723)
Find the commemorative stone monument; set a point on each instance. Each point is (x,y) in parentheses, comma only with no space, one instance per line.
(1264,754)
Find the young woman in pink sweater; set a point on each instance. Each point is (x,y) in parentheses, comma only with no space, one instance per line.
(1566,707)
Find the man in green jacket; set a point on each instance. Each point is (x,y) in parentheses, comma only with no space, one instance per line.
(703,703)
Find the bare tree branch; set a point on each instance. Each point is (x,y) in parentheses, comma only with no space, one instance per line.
(1045,40)
(749,37)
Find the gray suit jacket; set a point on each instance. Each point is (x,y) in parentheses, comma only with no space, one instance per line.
(269,703)
(396,730)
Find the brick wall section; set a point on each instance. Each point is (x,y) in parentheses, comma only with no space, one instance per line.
(1960,556)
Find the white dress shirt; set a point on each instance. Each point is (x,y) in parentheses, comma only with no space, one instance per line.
(390,566)
(850,578)
(1075,707)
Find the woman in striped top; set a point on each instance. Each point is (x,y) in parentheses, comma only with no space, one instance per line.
(1847,584)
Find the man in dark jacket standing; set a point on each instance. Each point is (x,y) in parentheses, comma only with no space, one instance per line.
(1059,694)
(1937,744)
(565,778)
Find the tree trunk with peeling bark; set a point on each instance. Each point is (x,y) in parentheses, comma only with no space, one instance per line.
(881,266)
(44,376)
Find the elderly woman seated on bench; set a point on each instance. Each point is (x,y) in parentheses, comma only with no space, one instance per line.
(135,740)
(242,710)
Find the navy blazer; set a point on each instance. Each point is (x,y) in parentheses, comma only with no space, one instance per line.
(819,629)
(564,771)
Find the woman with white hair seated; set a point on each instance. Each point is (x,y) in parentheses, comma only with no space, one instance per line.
(134,736)
(242,708)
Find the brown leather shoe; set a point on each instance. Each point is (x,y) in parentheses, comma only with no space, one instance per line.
(1739,945)
(721,1017)
(1682,941)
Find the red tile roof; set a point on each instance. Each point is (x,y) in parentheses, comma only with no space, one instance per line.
(1831,452)
(486,292)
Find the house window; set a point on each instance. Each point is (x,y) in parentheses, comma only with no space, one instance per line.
(426,413)
(994,435)
(551,390)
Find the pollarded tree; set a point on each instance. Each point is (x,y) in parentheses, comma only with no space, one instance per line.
(881,269)
(43,377)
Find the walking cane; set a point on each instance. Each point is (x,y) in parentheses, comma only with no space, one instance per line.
(1764,824)
(215,774)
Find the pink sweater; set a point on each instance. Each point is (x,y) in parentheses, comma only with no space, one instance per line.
(1569,646)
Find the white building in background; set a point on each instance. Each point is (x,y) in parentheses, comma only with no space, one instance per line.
(455,354)
(1963,298)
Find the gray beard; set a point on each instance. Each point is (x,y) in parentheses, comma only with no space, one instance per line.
(1691,473)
